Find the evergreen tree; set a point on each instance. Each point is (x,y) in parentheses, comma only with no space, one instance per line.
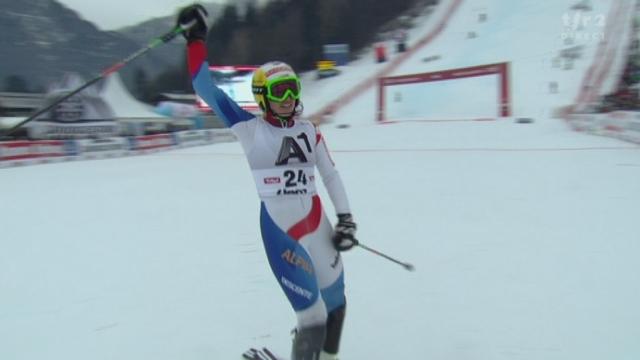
(311,39)
(16,83)
(221,34)
(172,80)
(141,83)
(293,31)
(250,16)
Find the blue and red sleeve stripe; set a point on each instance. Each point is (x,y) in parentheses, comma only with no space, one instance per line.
(227,109)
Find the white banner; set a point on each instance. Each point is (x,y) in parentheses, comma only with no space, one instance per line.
(108,147)
(191,138)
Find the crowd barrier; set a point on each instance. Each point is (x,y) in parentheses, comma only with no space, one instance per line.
(623,125)
(23,152)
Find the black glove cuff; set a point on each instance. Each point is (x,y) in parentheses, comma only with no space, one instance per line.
(345,217)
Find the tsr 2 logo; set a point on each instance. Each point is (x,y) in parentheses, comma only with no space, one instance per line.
(583,27)
(580,21)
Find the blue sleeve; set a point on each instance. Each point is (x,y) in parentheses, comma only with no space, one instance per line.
(227,109)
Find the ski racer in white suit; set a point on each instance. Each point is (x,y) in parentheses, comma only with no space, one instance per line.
(283,152)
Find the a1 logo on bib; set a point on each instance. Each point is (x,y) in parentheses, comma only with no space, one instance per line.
(290,149)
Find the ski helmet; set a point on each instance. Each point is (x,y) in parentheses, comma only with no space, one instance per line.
(265,81)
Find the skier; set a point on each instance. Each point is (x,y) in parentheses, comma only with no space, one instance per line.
(283,152)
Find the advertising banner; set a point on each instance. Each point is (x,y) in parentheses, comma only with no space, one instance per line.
(102,148)
(26,152)
(12,151)
(151,142)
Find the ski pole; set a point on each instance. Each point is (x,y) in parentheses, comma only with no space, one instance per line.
(407,266)
(108,71)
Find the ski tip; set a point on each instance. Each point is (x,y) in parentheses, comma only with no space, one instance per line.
(262,354)
(250,354)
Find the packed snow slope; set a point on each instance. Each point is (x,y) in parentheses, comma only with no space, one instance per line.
(529,35)
(524,236)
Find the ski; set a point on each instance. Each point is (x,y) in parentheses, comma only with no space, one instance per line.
(260,354)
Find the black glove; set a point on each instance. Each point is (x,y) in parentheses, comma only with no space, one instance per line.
(194,14)
(344,233)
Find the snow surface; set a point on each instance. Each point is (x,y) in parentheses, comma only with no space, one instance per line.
(524,236)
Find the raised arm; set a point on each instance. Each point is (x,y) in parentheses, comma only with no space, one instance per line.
(227,109)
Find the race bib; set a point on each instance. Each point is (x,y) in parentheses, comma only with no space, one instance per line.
(285,181)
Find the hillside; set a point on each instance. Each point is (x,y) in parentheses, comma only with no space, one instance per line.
(45,39)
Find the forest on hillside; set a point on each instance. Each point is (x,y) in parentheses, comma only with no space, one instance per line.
(294,31)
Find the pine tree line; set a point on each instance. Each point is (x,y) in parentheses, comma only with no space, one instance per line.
(293,31)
